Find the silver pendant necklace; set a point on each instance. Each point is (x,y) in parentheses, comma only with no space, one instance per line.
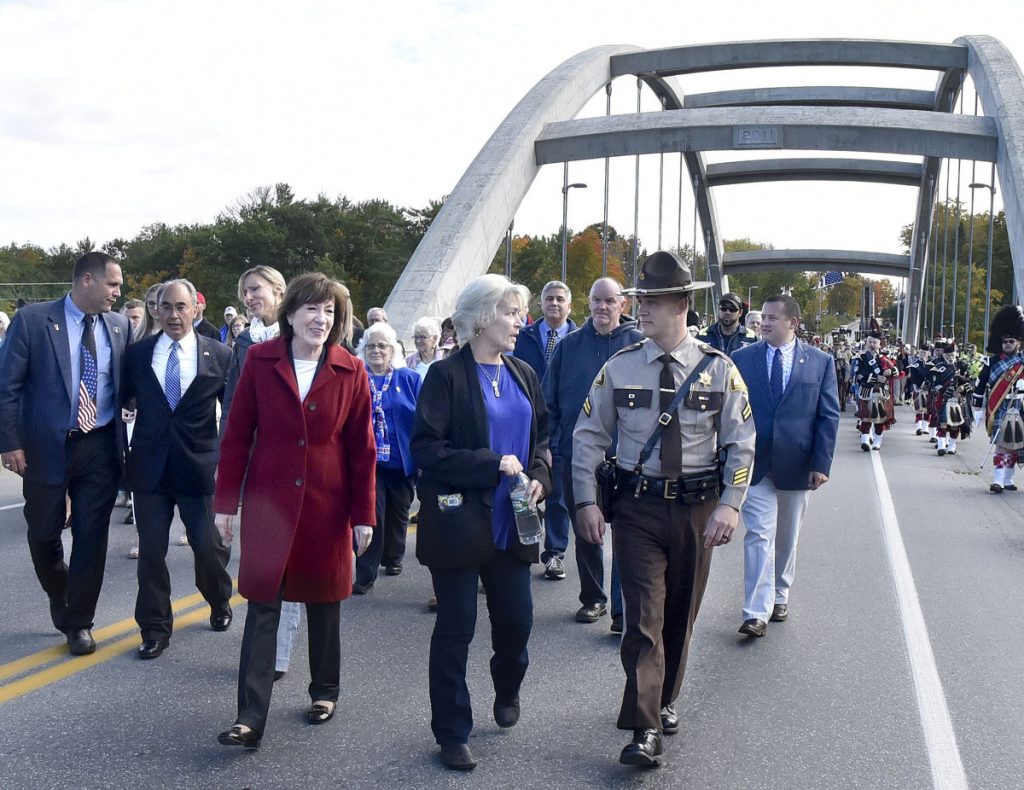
(494,381)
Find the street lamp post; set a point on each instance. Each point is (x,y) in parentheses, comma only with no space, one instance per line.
(749,290)
(988,263)
(566,186)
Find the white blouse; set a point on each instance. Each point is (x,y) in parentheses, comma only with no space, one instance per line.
(305,370)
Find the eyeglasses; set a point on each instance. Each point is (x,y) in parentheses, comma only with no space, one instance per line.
(377,346)
(728,308)
(421,337)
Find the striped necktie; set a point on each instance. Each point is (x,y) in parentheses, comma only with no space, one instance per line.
(172,377)
(88,378)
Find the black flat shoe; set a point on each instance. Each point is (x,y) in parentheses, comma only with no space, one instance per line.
(591,612)
(644,751)
(779,613)
(236,736)
(506,711)
(151,648)
(458,757)
(279,673)
(754,627)
(361,589)
(393,570)
(320,714)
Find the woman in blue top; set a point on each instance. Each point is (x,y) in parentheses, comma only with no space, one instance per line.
(481,420)
(394,389)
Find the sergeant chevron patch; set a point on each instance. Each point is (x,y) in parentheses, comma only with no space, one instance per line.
(745,414)
(741,476)
(586,406)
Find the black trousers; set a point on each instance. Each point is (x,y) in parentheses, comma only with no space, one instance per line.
(664,569)
(589,557)
(259,652)
(506,581)
(91,481)
(394,498)
(154,513)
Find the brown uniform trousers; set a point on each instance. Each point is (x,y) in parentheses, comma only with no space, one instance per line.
(664,567)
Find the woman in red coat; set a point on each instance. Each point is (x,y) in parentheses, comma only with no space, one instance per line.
(298,434)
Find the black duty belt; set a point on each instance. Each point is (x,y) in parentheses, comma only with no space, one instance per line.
(688,489)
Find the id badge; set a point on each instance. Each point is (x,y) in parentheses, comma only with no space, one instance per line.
(384,452)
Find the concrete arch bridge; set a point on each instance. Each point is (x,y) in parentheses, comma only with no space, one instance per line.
(857,121)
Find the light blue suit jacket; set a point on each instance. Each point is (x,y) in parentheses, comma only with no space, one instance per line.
(797,435)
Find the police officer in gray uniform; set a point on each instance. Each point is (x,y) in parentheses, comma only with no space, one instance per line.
(666,511)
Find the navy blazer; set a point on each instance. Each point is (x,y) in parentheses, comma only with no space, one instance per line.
(402,396)
(530,349)
(797,435)
(35,386)
(178,449)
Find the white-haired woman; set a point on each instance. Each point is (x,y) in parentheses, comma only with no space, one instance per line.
(481,420)
(426,334)
(394,389)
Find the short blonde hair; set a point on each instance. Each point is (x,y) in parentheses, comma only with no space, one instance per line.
(385,332)
(477,305)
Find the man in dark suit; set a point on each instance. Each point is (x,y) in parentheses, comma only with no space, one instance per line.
(794,398)
(61,431)
(176,379)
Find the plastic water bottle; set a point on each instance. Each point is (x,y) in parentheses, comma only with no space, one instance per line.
(527,521)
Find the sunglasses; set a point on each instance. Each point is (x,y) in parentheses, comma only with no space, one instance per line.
(728,308)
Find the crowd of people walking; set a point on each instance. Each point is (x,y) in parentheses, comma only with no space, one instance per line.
(310,436)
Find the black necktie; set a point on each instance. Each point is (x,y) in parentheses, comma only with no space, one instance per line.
(672,436)
(550,349)
(776,379)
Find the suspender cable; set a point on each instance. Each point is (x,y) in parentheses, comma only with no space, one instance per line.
(945,252)
(679,225)
(508,250)
(991,221)
(661,184)
(970,247)
(604,230)
(956,234)
(636,197)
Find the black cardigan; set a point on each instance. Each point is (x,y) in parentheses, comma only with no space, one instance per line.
(451,445)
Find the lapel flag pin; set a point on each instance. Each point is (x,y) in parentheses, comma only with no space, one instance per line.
(56,327)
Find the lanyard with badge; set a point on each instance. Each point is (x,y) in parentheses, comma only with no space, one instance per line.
(380,424)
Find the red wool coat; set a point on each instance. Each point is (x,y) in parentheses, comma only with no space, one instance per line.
(308,470)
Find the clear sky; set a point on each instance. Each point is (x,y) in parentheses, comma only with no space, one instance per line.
(119,114)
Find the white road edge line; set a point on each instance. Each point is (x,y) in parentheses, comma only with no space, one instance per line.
(11,507)
(943,752)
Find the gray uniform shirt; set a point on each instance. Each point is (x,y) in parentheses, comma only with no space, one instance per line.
(626,396)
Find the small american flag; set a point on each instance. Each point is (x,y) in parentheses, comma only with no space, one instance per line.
(831,278)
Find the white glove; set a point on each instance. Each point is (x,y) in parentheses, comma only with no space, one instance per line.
(363,535)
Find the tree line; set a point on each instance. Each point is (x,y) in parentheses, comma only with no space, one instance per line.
(367,244)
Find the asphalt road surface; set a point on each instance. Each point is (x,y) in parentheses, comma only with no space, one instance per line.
(900,665)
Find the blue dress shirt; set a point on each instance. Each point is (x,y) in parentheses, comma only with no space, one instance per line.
(74,320)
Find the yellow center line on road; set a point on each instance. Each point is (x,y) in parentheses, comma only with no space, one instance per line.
(22,665)
(75,664)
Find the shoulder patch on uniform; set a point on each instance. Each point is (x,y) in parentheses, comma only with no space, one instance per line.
(745,414)
(599,379)
(711,350)
(586,406)
(626,349)
(736,382)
